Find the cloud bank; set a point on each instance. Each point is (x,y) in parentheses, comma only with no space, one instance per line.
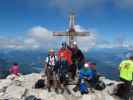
(88,42)
(41,38)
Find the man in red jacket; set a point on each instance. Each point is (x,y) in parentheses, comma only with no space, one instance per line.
(66,53)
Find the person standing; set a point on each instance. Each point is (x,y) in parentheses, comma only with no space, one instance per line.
(126,72)
(77,59)
(15,71)
(49,69)
(61,70)
(67,54)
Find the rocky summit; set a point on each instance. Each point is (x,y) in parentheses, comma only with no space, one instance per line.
(19,90)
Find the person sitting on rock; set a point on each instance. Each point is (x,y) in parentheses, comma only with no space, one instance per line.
(85,76)
(15,70)
(49,69)
(95,75)
(15,73)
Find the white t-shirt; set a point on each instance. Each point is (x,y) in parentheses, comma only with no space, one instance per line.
(51,60)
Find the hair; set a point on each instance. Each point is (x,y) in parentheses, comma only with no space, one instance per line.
(93,64)
(131,57)
(64,44)
(15,64)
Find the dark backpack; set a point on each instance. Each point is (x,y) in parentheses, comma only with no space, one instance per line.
(100,85)
(121,91)
(40,84)
(31,98)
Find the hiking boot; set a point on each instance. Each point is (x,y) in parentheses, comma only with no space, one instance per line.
(92,90)
(56,91)
(49,89)
(75,89)
(62,91)
(86,92)
(82,93)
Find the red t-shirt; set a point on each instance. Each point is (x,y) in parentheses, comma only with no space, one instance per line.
(66,54)
(14,70)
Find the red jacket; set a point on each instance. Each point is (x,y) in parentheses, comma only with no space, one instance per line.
(66,54)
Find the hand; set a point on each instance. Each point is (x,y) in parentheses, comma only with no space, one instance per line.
(67,76)
(82,81)
(89,78)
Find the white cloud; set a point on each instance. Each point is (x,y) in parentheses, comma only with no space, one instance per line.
(115,43)
(105,45)
(37,37)
(43,37)
(87,42)
(40,33)
(40,37)
(9,42)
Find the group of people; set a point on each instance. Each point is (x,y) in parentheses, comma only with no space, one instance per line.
(67,64)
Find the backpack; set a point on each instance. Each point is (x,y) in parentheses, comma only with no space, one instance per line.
(100,85)
(122,90)
(31,98)
(39,84)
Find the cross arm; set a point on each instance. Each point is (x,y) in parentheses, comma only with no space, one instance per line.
(82,33)
(60,33)
(71,33)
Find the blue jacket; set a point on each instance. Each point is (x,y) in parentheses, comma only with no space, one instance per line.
(85,73)
(94,73)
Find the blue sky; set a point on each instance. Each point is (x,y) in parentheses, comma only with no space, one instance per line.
(110,19)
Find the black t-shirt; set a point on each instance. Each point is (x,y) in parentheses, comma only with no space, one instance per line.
(77,55)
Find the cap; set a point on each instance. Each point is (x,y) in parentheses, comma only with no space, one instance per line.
(51,50)
(86,65)
(75,43)
(64,44)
